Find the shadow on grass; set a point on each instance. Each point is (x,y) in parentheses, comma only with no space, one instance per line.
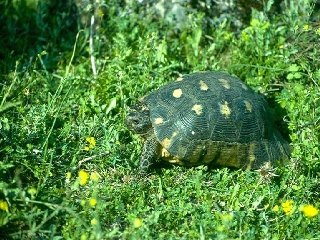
(29,28)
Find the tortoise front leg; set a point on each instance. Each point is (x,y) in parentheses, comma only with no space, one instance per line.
(150,153)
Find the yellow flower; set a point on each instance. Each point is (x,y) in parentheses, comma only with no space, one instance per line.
(137,222)
(275,208)
(309,211)
(92,143)
(94,176)
(94,221)
(4,206)
(68,175)
(306,27)
(92,202)
(83,177)
(287,207)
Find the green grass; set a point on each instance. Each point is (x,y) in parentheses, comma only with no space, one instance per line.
(50,104)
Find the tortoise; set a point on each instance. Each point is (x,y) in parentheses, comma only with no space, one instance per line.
(207,118)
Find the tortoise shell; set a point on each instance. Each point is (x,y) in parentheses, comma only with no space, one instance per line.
(213,117)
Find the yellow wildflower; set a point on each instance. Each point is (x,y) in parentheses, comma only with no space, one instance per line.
(287,207)
(94,221)
(309,210)
(92,202)
(4,206)
(306,27)
(92,143)
(137,222)
(94,176)
(68,175)
(83,177)
(275,208)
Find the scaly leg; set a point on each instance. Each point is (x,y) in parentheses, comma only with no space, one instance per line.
(150,152)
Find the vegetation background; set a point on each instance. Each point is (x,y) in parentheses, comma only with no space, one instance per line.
(67,161)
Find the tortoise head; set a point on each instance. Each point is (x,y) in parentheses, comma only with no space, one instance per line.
(138,119)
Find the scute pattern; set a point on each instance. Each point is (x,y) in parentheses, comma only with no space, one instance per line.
(196,129)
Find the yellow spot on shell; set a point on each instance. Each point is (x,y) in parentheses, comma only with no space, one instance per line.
(225,83)
(179,79)
(248,105)
(197,108)
(177,93)
(225,110)
(175,160)
(167,141)
(158,120)
(164,153)
(244,86)
(203,86)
